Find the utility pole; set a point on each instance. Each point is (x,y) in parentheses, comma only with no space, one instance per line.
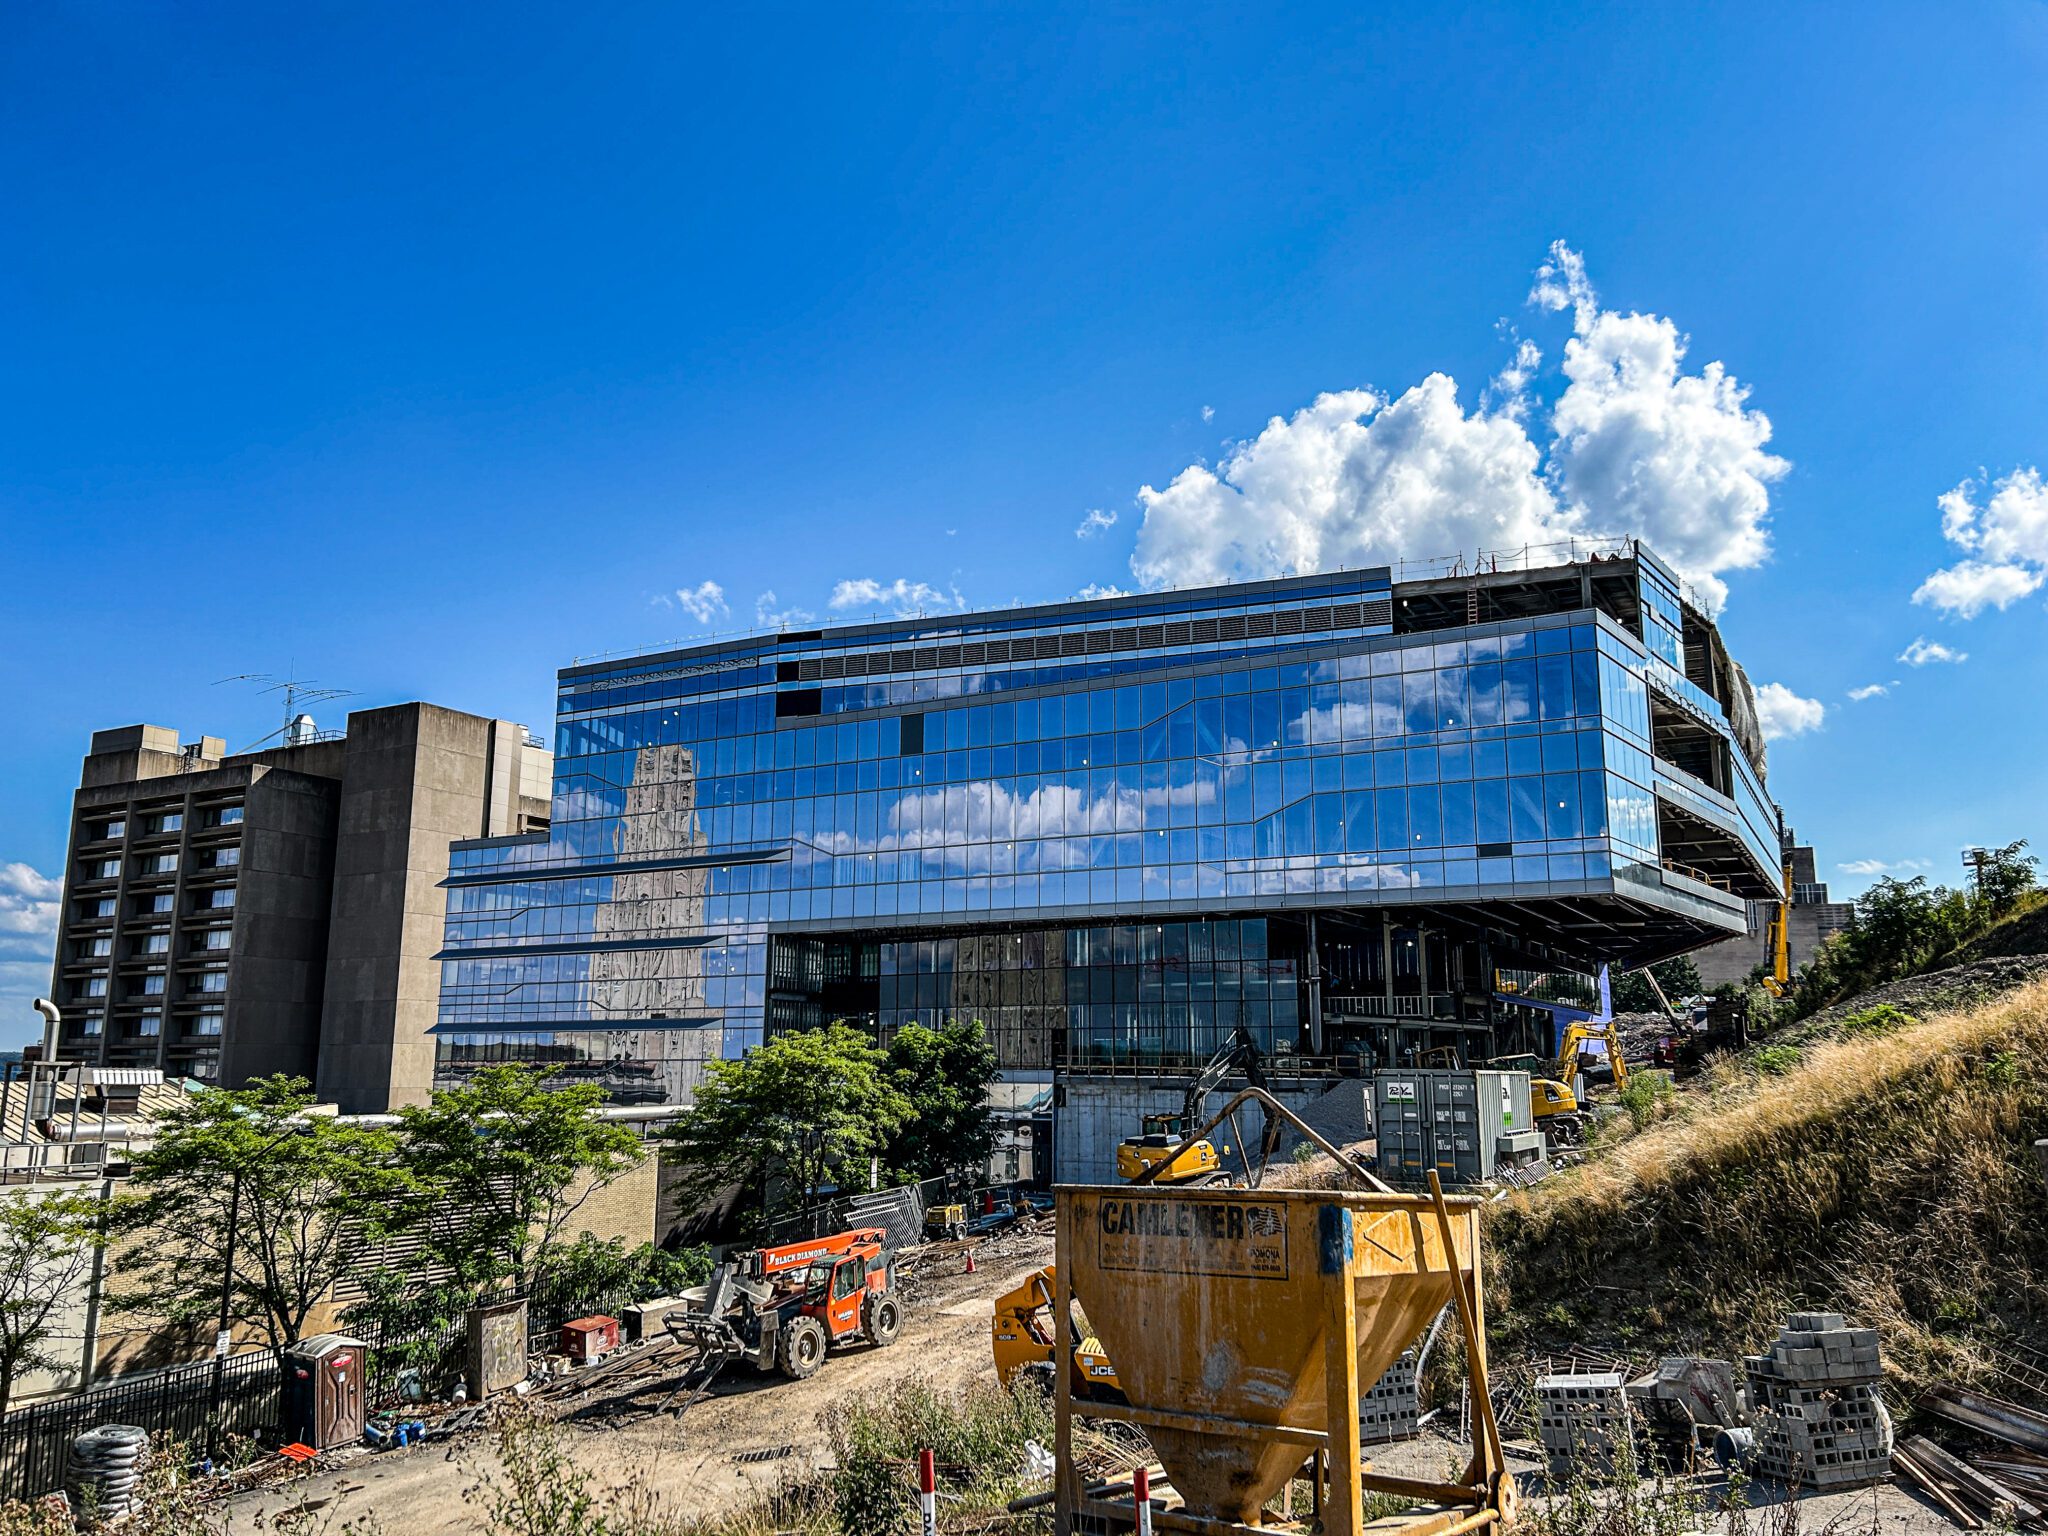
(223,1338)
(1976,861)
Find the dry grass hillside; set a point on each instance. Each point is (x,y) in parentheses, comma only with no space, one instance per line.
(1887,1172)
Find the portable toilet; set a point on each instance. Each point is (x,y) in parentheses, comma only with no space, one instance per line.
(324,1391)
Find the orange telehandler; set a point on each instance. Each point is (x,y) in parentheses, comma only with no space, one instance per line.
(784,1307)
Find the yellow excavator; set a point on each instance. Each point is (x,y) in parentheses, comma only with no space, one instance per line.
(1160,1134)
(1555,1099)
(1023,1342)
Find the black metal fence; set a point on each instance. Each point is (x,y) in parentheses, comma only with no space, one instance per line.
(437,1356)
(171,1404)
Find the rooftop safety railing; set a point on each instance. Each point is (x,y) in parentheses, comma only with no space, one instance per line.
(1478,562)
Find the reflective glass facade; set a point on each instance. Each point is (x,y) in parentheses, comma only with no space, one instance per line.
(1113,830)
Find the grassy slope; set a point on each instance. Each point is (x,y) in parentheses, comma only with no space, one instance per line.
(2023,932)
(1891,1177)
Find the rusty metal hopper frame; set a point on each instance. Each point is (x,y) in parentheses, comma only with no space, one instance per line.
(1332,1457)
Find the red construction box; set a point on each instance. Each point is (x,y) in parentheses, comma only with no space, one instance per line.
(590,1338)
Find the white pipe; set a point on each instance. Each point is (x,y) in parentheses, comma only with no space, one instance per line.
(52,1021)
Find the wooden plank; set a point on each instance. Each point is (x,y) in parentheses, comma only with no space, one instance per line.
(1985,1492)
(1991,1416)
(1920,1477)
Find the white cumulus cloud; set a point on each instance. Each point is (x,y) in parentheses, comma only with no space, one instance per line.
(29,910)
(1923,652)
(2002,527)
(1648,448)
(1208,413)
(1882,866)
(901,597)
(1868,691)
(768,616)
(1782,713)
(1352,479)
(1636,445)
(703,602)
(1095,522)
(1095,589)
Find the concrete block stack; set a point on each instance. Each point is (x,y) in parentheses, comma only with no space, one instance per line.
(1583,1419)
(1816,1406)
(1393,1408)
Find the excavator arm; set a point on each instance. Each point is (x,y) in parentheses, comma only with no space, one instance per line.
(1023,1338)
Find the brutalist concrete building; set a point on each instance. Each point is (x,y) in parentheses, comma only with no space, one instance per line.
(1365,816)
(227,916)
(1815,920)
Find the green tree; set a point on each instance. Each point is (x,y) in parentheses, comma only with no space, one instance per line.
(2005,875)
(945,1073)
(290,1186)
(1679,978)
(601,1275)
(48,1242)
(499,1167)
(802,1107)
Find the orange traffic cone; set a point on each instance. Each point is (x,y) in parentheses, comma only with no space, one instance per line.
(970,1261)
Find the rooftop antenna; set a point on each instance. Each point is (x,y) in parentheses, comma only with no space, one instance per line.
(298,728)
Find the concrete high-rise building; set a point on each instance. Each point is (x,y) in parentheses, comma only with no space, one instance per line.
(1361,816)
(228,916)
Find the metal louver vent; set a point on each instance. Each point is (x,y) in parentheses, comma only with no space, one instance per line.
(1096,642)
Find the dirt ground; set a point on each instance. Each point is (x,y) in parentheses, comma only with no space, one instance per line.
(691,1464)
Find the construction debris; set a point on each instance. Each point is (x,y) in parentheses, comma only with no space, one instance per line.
(1819,1415)
(1960,1483)
(1990,1416)
(1682,1396)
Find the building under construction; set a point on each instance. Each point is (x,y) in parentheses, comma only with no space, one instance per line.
(1365,816)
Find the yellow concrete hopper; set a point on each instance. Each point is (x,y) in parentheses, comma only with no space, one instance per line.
(1243,1325)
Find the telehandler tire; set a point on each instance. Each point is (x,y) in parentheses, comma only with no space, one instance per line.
(802,1348)
(882,1320)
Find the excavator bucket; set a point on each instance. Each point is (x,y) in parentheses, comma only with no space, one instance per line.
(1244,1325)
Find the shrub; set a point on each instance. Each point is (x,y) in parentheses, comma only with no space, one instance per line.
(979,1442)
(1881,1020)
(1777,1060)
(1646,1098)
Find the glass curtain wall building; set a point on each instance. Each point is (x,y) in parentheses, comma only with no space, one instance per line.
(1360,817)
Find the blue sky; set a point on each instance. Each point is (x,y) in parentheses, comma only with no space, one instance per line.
(424,350)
